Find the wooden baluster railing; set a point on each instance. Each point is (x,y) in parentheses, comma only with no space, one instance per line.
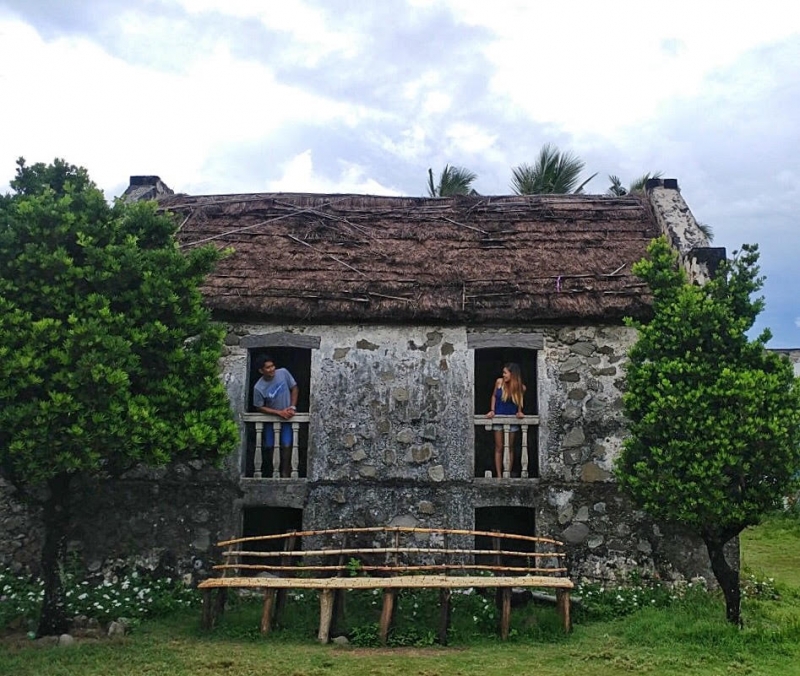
(258,459)
(524,458)
(507,457)
(295,450)
(276,450)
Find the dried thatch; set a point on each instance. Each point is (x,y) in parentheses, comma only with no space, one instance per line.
(354,258)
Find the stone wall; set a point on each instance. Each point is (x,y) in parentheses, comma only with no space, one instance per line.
(392,441)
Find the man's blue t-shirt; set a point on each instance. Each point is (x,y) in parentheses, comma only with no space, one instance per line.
(275,393)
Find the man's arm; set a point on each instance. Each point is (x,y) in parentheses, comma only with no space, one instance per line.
(293,407)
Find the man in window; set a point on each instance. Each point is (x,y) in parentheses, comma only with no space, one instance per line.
(276,393)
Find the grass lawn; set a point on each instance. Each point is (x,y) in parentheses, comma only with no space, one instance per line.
(690,638)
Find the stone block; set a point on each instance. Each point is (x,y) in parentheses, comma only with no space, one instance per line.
(436,473)
(405,436)
(574,438)
(584,349)
(582,515)
(591,472)
(575,534)
(420,454)
(426,507)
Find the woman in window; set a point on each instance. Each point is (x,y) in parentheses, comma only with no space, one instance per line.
(508,398)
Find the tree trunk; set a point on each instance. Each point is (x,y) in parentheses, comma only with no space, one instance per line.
(728,578)
(53,620)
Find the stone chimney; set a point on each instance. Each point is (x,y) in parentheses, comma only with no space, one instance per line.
(146,188)
(681,230)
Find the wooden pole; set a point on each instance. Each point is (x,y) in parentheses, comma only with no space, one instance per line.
(444,614)
(325,615)
(267,611)
(288,546)
(207,616)
(219,606)
(505,612)
(386,614)
(339,595)
(562,603)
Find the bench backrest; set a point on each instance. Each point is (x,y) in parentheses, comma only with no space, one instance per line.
(392,551)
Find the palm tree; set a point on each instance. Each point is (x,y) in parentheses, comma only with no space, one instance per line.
(453,181)
(616,189)
(553,173)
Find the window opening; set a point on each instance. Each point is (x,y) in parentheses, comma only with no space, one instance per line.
(489,364)
(298,362)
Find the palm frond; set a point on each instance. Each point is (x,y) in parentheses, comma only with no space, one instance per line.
(452,181)
(553,172)
(637,187)
(616,189)
(707,230)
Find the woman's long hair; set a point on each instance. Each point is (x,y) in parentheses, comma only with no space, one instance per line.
(513,389)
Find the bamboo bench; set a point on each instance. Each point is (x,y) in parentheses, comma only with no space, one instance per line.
(387,558)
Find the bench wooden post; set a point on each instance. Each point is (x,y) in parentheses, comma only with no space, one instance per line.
(562,603)
(505,612)
(207,617)
(267,611)
(444,614)
(386,614)
(325,614)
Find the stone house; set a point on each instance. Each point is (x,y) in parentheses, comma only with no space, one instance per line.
(396,315)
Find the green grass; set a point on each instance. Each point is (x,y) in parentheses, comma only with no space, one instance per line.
(688,638)
(773,549)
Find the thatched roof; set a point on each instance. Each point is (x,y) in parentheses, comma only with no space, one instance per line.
(355,258)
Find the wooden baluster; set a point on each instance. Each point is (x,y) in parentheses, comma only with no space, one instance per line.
(257,457)
(524,459)
(295,450)
(276,450)
(506,451)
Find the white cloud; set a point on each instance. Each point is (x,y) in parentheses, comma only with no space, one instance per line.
(600,66)
(305,24)
(72,99)
(299,176)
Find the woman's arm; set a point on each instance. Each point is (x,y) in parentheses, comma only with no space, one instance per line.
(497,383)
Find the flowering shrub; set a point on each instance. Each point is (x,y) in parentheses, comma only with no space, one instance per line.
(132,596)
(760,588)
(602,602)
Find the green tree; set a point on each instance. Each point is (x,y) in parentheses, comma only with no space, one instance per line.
(108,358)
(553,172)
(714,418)
(452,181)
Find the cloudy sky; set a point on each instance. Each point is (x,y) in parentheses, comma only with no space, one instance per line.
(363,96)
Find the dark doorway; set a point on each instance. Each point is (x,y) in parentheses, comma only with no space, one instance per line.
(516,520)
(268,521)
